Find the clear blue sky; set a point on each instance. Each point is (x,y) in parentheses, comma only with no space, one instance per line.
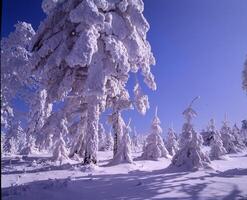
(200,48)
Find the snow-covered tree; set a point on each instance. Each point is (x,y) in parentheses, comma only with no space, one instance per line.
(48,143)
(245,76)
(91,47)
(171,142)
(3,137)
(39,112)
(78,147)
(13,146)
(109,141)
(60,152)
(190,156)
(135,143)
(154,147)
(30,147)
(16,80)
(187,129)
(244,131)
(208,135)
(14,137)
(101,137)
(228,138)
(238,140)
(124,153)
(217,150)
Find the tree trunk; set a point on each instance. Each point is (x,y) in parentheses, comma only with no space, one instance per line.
(117,131)
(92,131)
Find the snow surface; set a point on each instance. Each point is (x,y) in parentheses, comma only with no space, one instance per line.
(36,178)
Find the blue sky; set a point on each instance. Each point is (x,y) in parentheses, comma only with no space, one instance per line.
(200,48)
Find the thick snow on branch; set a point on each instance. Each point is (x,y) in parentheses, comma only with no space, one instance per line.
(141,101)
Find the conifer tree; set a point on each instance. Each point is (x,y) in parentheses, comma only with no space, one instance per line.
(171,142)
(91,47)
(154,147)
(190,156)
(124,153)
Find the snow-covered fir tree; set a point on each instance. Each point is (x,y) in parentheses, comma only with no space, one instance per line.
(228,138)
(238,140)
(243,131)
(2,142)
(154,147)
(190,155)
(217,150)
(48,143)
(171,142)
(124,153)
(135,143)
(78,145)
(60,153)
(13,146)
(208,134)
(101,137)
(39,112)
(109,141)
(16,80)
(16,136)
(30,147)
(91,47)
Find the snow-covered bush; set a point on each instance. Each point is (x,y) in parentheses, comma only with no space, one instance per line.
(171,142)
(217,150)
(154,147)
(124,153)
(190,155)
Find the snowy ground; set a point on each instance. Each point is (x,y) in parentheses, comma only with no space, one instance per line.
(23,179)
